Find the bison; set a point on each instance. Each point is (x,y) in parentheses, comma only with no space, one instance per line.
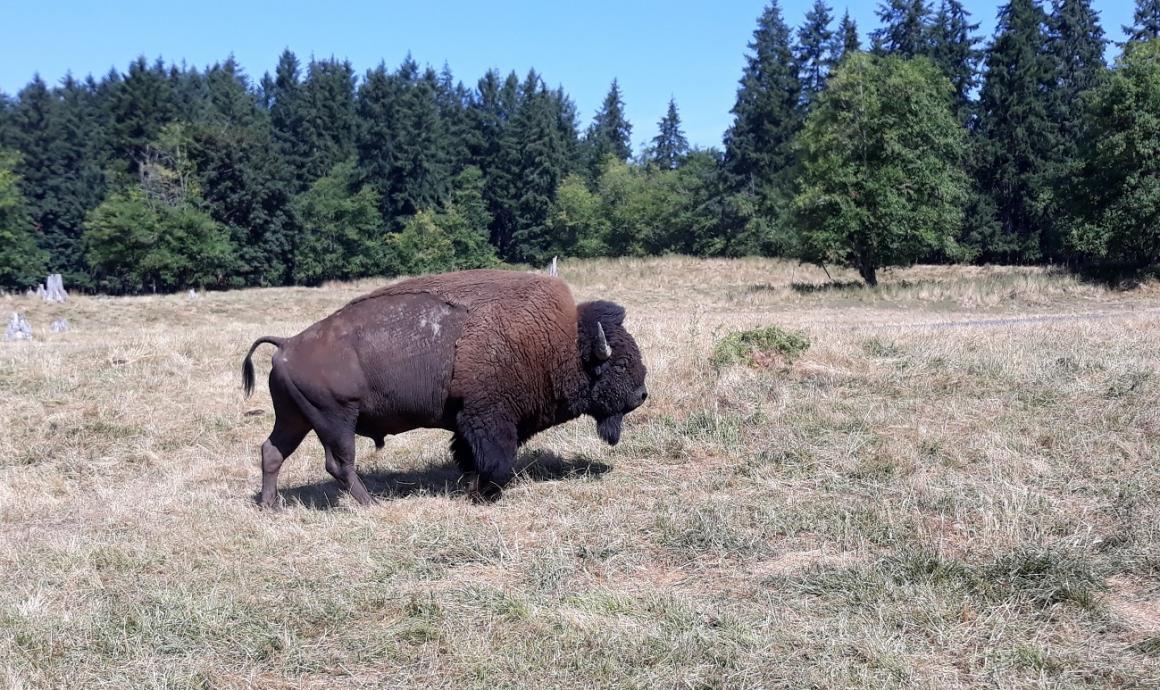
(492,356)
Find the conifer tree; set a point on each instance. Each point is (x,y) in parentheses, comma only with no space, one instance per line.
(1077,48)
(815,52)
(313,118)
(377,133)
(231,102)
(1018,135)
(6,135)
(1145,21)
(669,146)
(328,116)
(487,116)
(952,47)
(58,133)
(421,175)
(266,89)
(141,103)
(759,160)
(492,113)
(59,179)
(38,133)
(904,30)
(190,93)
(22,263)
(285,103)
(452,98)
(405,146)
(846,38)
(537,157)
(767,111)
(568,128)
(610,133)
(1077,41)
(485,123)
(243,179)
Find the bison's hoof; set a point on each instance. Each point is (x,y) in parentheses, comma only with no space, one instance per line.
(485,493)
(479,491)
(481,498)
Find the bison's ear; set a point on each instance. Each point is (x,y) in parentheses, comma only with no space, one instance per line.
(594,318)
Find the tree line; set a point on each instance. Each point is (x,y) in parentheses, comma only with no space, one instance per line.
(924,146)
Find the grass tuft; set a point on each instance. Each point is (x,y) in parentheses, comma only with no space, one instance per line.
(760,347)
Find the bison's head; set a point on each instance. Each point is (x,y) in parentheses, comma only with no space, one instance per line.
(612,361)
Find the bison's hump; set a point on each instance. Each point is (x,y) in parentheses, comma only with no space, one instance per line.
(475,288)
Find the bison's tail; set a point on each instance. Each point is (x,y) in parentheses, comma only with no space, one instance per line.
(248,366)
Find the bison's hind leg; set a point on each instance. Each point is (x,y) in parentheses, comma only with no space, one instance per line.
(338,442)
(290,427)
(282,442)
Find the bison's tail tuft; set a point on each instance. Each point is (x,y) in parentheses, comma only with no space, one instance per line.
(248,366)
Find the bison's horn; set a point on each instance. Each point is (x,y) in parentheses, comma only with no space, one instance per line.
(603,351)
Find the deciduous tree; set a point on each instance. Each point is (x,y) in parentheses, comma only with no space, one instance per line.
(882,178)
(1118,209)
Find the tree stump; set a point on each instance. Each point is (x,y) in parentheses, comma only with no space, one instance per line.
(53,289)
(18,328)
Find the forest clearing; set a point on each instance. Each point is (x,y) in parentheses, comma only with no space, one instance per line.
(954,485)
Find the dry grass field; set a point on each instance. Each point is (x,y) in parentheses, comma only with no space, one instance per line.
(956,486)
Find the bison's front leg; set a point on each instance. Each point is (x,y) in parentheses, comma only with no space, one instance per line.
(493,448)
(465,460)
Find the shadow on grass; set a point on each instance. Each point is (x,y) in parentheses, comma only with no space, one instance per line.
(838,286)
(1119,278)
(1113,277)
(440,480)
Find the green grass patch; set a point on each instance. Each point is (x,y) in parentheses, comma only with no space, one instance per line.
(759,347)
(1028,579)
(882,349)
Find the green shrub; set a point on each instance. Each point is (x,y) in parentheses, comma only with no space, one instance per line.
(758,346)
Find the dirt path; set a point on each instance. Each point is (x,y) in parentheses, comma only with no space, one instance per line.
(997,322)
(1041,318)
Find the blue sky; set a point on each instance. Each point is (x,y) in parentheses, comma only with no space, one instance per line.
(693,51)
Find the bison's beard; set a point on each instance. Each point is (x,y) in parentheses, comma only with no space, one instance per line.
(609,428)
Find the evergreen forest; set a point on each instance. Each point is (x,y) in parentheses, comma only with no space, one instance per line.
(929,144)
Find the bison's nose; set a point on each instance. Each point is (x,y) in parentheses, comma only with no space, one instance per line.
(641,396)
